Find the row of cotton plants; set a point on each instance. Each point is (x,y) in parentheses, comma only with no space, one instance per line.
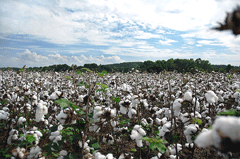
(119,115)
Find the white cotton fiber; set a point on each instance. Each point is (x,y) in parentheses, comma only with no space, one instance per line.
(211,97)
(177,106)
(188,96)
(226,126)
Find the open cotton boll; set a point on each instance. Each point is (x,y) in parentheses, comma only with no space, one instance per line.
(188,96)
(21,120)
(224,127)
(172,149)
(229,126)
(98,155)
(40,112)
(190,130)
(165,128)
(110,156)
(208,138)
(177,106)
(131,112)
(125,87)
(34,152)
(196,102)
(4,115)
(211,97)
(62,117)
(135,135)
(53,96)
(123,109)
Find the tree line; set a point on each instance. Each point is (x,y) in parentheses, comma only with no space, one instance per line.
(179,65)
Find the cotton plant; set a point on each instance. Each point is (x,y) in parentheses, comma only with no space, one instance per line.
(41,111)
(126,87)
(108,138)
(13,136)
(21,120)
(177,106)
(224,134)
(4,115)
(159,155)
(165,128)
(85,146)
(67,116)
(36,133)
(56,135)
(172,149)
(19,153)
(188,96)
(62,154)
(190,131)
(211,97)
(137,134)
(35,153)
(102,114)
(161,121)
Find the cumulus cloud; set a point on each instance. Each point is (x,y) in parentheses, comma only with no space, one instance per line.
(32,59)
(135,28)
(167,42)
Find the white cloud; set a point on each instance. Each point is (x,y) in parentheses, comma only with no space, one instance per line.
(167,42)
(32,59)
(95,22)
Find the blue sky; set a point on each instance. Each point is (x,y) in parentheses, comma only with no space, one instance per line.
(43,32)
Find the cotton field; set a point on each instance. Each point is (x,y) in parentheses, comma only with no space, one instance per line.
(119,115)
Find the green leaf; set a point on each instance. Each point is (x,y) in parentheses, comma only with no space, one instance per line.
(4,102)
(133,150)
(8,155)
(79,72)
(199,121)
(30,138)
(147,139)
(96,145)
(99,90)
(237,90)
(228,112)
(67,77)
(160,146)
(54,128)
(66,103)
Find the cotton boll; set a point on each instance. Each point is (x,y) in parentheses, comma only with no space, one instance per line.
(158,121)
(191,129)
(177,106)
(188,96)
(172,149)
(135,135)
(223,127)
(207,138)
(131,112)
(62,117)
(34,152)
(211,97)
(165,128)
(139,143)
(40,112)
(63,153)
(98,155)
(142,132)
(196,102)
(4,115)
(109,156)
(21,120)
